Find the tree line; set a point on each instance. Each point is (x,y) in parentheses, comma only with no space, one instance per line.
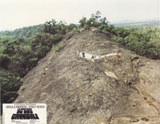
(144,41)
(20,50)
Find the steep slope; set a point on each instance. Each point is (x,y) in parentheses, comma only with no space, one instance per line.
(78,91)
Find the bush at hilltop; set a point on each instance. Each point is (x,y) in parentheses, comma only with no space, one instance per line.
(145,42)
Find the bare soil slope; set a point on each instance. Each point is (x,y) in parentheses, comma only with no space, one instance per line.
(78,91)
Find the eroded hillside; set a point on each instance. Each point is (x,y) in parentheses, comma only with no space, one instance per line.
(78,91)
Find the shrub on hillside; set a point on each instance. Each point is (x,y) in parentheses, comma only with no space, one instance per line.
(10,83)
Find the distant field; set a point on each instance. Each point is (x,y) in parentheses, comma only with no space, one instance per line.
(145,23)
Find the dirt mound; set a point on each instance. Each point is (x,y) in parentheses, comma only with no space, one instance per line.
(105,91)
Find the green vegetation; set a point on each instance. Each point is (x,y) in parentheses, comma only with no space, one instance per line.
(58,47)
(9,85)
(143,41)
(20,50)
(22,32)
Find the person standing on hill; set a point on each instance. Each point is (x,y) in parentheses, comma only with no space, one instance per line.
(117,56)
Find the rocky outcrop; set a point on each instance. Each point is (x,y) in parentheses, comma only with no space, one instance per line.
(105,91)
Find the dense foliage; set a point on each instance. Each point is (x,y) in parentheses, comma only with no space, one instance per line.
(22,32)
(20,50)
(144,41)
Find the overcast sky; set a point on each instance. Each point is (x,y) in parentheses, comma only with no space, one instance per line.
(20,13)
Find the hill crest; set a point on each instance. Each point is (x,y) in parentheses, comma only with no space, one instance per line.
(81,91)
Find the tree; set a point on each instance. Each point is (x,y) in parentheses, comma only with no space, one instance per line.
(83,22)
